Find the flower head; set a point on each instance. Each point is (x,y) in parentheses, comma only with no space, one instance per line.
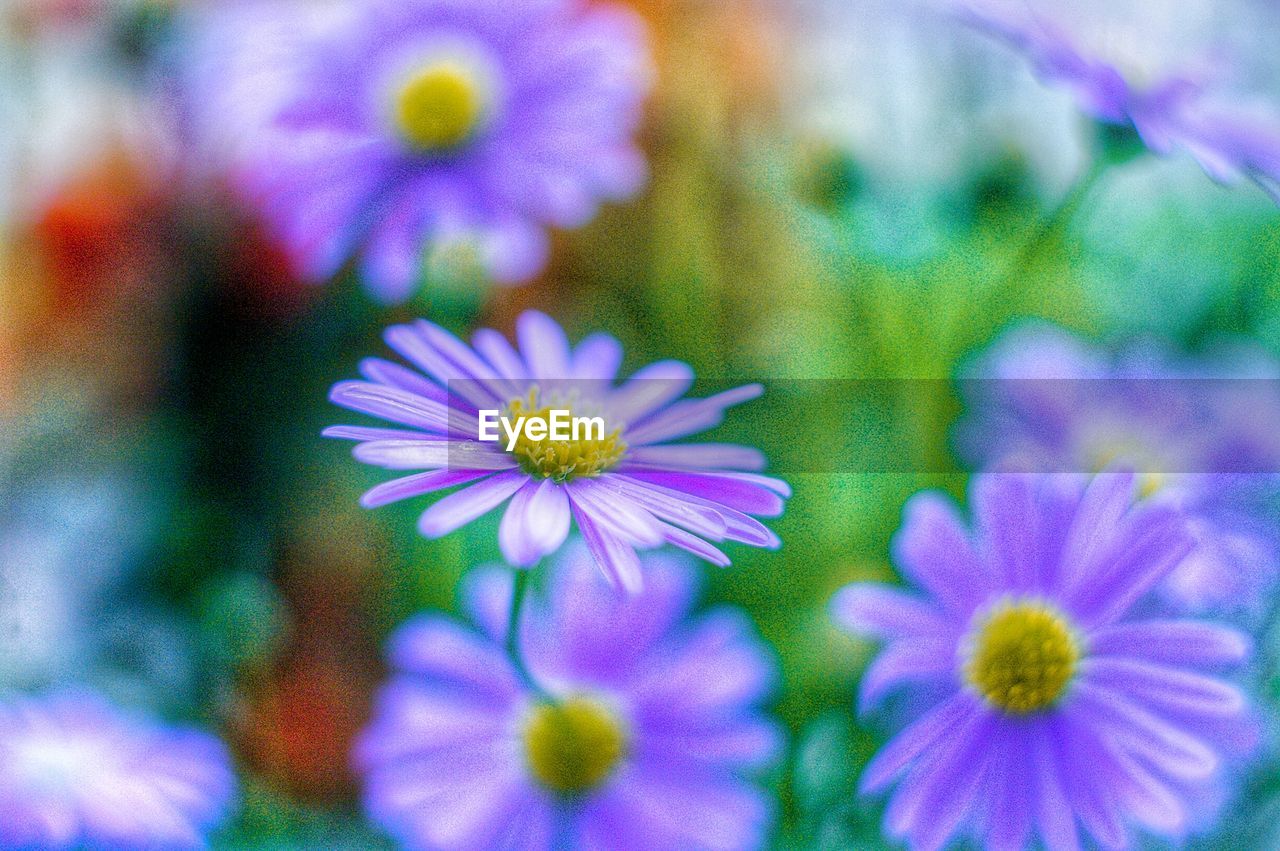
(623,484)
(433,134)
(1050,703)
(1192,429)
(638,733)
(1180,102)
(77,773)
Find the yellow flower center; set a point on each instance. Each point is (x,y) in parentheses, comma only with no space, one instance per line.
(439,107)
(1023,657)
(573,746)
(586,454)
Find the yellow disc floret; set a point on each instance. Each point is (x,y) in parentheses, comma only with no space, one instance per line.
(439,107)
(573,746)
(1022,657)
(587,453)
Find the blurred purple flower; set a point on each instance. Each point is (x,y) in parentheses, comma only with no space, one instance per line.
(627,490)
(431,130)
(1053,704)
(1180,105)
(1199,433)
(77,773)
(639,735)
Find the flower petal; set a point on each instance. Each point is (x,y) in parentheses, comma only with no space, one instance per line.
(458,509)
(650,389)
(597,357)
(543,344)
(615,556)
(909,660)
(1131,729)
(916,739)
(743,492)
(448,654)
(699,456)
(884,611)
(536,522)
(1174,642)
(418,484)
(426,454)
(392,403)
(689,416)
(934,550)
(1166,687)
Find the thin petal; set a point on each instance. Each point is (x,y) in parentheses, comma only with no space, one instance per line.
(1174,642)
(748,495)
(394,375)
(650,389)
(911,660)
(425,454)
(884,611)
(500,354)
(1055,815)
(698,519)
(691,543)
(625,517)
(418,484)
(597,357)
(737,526)
(616,558)
(915,740)
(689,416)
(1167,687)
(1134,730)
(366,433)
(1105,502)
(934,550)
(1156,548)
(445,652)
(543,344)
(930,805)
(392,403)
(699,456)
(1004,505)
(536,522)
(458,509)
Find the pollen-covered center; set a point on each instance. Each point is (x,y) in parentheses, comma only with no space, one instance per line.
(439,107)
(1022,657)
(573,746)
(589,450)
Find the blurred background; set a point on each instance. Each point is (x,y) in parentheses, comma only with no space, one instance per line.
(838,189)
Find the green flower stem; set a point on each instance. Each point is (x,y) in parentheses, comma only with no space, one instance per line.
(1001,300)
(519,590)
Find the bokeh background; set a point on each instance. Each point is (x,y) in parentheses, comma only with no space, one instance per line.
(838,189)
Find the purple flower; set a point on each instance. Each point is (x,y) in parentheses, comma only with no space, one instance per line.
(1195,430)
(77,773)
(1183,104)
(638,735)
(1047,702)
(449,132)
(624,484)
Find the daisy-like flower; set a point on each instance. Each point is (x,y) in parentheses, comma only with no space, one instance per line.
(435,134)
(1051,700)
(624,485)
(1108,57)
(638,734)
(1194,430)
(77,773)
